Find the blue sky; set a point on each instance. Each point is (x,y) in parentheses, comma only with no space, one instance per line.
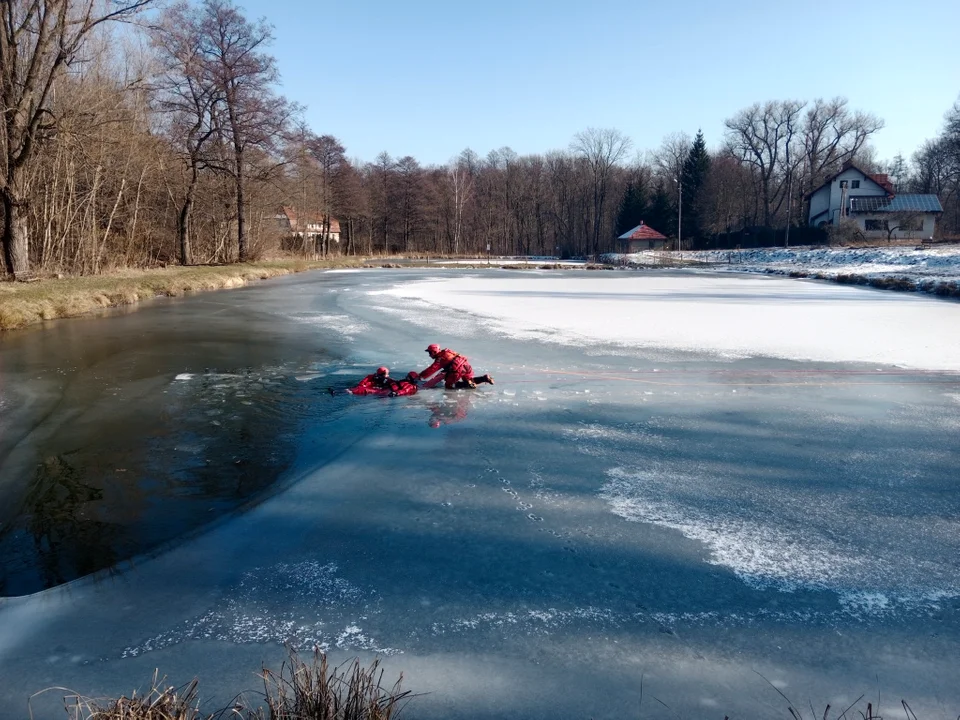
(428,78)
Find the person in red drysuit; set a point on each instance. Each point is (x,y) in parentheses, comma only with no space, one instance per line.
(378,383)
(406,386)
(451,367)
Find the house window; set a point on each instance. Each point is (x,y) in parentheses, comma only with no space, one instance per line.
(854,184)
(874,225)
(843,183)
(913,224)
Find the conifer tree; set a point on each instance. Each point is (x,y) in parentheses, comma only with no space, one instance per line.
(694,176)
(661,216)
(633,208)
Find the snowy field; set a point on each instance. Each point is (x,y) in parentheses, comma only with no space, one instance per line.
(932,264)
(681,478)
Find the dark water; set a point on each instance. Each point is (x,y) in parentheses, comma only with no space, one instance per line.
(105,455)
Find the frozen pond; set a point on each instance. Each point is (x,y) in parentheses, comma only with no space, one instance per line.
(680,477)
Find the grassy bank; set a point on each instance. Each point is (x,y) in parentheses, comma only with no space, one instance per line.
(23,304)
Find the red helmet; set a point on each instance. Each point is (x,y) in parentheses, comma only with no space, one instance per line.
(413,376)
(433,349)
(383,371)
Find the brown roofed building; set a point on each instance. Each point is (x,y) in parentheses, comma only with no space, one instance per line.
(307,225)
(642,237)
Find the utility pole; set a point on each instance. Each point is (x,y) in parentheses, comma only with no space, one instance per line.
(679,182)
(786,240)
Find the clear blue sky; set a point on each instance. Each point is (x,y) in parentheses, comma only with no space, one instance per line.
(429,78)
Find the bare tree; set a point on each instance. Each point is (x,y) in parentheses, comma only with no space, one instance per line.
(328,153)
(935,167)
(461,181)
(189,97)
(905,221)
(832,135)
(668,159)
(763,136)
(253,117)
(602,149)
(39,39)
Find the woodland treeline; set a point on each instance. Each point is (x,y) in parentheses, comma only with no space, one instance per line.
(138,135)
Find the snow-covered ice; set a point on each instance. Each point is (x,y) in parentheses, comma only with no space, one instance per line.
(716,315)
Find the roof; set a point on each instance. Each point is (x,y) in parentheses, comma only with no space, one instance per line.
(879,179)
(642,232)
(308,218)
(905,202)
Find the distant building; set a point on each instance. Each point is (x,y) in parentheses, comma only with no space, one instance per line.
(307,226)
(871,201)
(642,237)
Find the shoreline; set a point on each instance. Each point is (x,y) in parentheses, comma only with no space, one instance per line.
(26,304)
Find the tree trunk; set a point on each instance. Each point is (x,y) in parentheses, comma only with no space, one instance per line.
(242,249)
(183,228)
(15,239)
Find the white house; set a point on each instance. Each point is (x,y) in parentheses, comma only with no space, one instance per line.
(871,202)
(308,226)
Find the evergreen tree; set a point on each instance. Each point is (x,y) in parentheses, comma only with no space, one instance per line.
(633,208)
(661,216)
(694,177)
(898,171)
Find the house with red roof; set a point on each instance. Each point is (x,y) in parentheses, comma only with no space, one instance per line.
(642,237)
(306,225)
(871,201)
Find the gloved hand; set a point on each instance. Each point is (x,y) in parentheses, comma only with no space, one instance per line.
(393,393)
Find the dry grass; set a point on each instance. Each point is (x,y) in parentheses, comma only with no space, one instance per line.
(315,691)
(23,304)
(160,703)
(300,691)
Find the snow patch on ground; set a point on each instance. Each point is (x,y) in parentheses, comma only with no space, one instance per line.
(915,263)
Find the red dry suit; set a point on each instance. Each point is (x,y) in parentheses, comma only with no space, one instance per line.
(454,367)
(373,385)
(399,388)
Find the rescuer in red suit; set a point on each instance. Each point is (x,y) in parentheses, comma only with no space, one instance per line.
(406,386)
(451,367)
(378,383)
